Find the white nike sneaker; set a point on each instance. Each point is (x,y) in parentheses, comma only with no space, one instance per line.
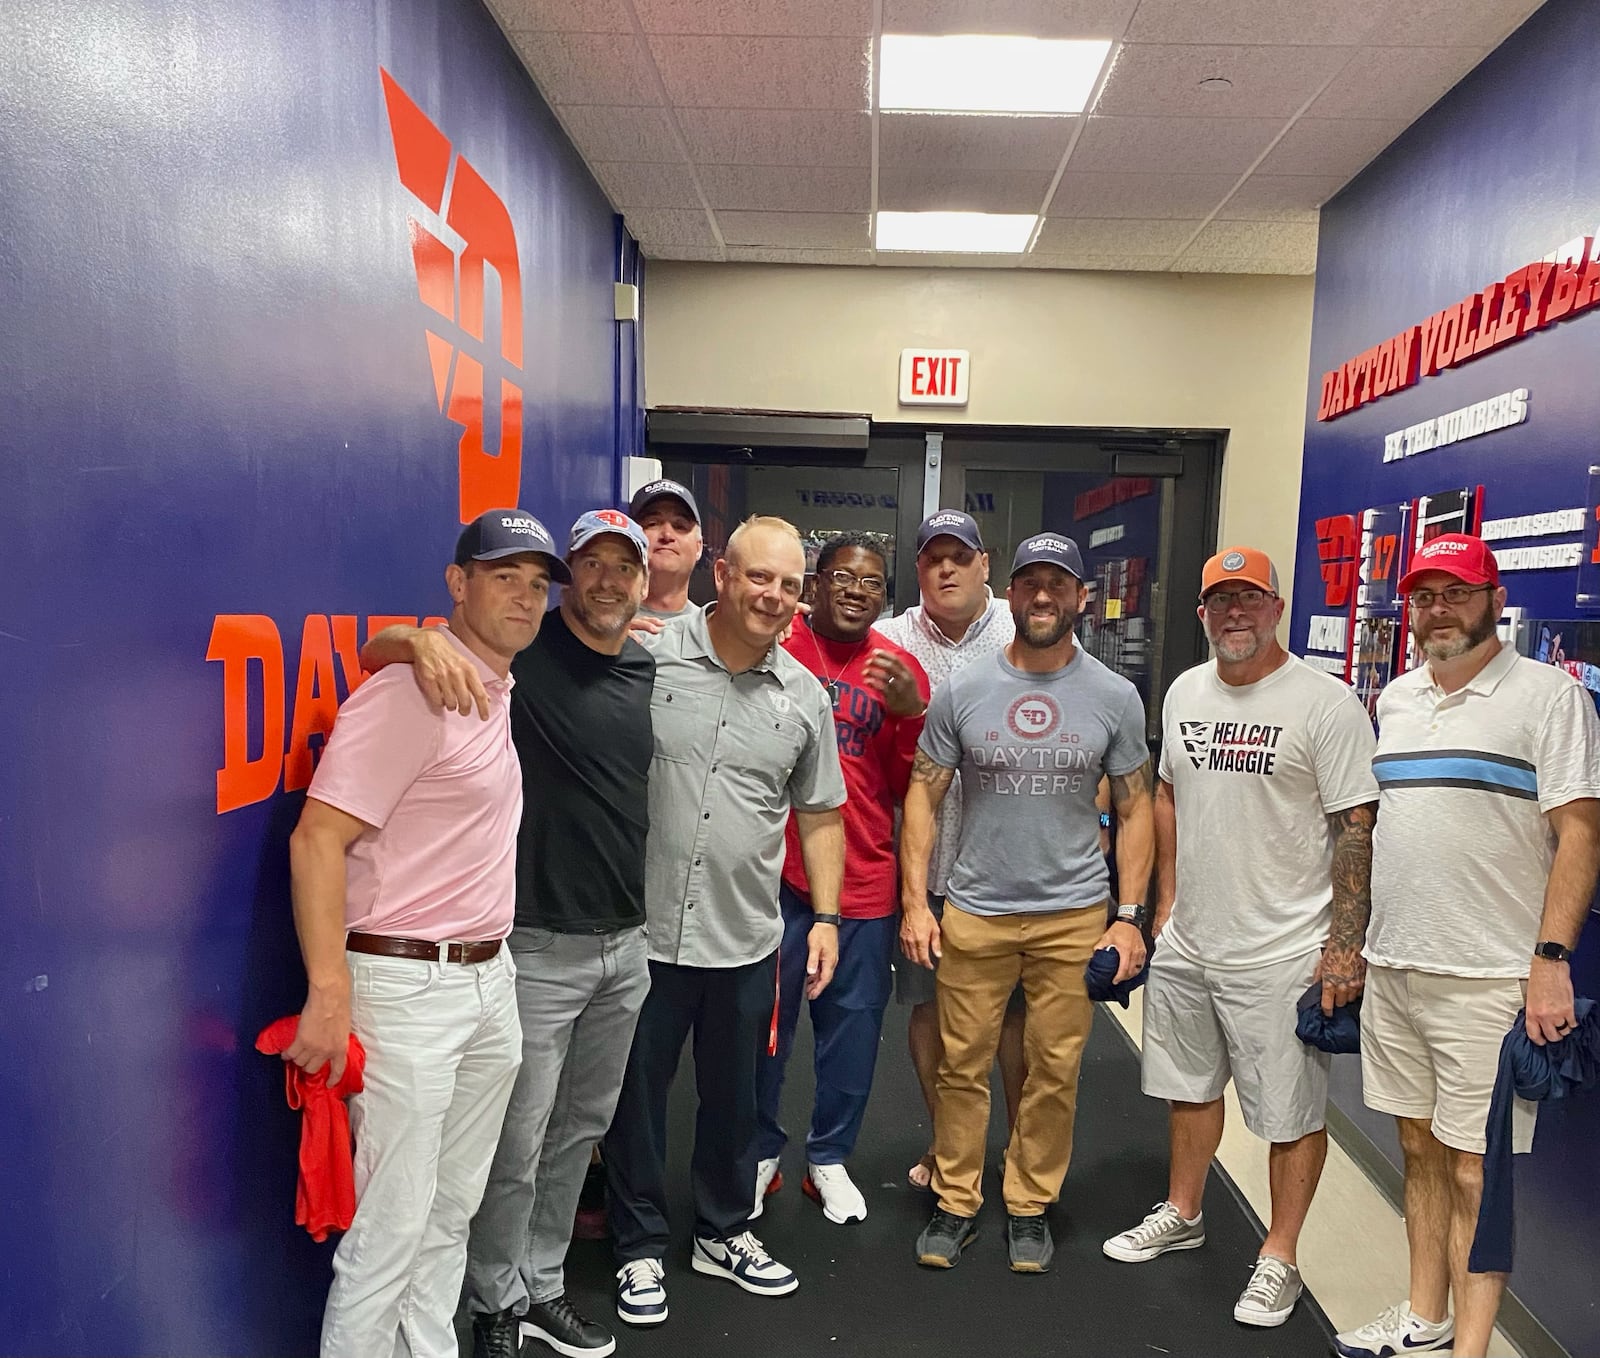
(769,1179)
(831,1186)
(1398,1330)
(742,1259)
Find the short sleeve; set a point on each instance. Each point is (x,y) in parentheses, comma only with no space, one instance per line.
(908,731)
(1343,748)
(1127,749)
(1164,769)
(383,738)
(817,782)
(1567,748)
(941,738)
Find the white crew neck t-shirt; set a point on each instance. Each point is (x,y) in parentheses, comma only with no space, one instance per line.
(1256,770)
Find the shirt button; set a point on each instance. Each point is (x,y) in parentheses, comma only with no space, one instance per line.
(697,862)
(724,723)
(690,906)
(706,816)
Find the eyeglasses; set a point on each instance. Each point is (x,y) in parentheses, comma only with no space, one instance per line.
(1224,599)
(1455,595)
(869,584)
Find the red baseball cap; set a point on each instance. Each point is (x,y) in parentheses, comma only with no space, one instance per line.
(1459,554)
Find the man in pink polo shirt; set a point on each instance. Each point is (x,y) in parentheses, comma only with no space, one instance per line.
(403,874)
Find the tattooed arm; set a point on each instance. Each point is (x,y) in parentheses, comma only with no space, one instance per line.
(919,931)
(1136,852)
(1343,971)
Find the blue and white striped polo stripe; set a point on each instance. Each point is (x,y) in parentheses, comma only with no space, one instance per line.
(1458,768)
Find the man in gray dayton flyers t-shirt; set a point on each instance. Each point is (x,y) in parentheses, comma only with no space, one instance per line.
(1032,730)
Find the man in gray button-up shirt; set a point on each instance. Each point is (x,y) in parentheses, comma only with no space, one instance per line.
(743,735)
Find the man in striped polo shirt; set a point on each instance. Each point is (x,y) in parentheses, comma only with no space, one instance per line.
(1484,863)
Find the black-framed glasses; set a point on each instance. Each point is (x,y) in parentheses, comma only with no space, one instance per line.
(1224,599)
(1454,595)
(869,584)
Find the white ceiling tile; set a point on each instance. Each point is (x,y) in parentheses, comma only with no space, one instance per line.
(759,18)
(671,226)
(695,253)
(1037,18)
(1092,193)
(588,68)
(1329,146)
(1119,236)
(1451,23)
(917,259)
(787,188)
(801,230)
(1124,263)
(1173,145)
(1399,83)
(766,254)
(930,188)
(1280,198)
(1298,22)
(764,73)
(562,16)
(771,137)
(1268,82)
(1191,263)
(632,184)
(621,133)
(1257,240)
(956,142)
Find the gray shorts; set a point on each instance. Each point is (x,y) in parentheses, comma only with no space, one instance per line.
(1203,1024)
(915,985)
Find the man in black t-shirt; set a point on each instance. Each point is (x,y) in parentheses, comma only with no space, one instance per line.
(580,719)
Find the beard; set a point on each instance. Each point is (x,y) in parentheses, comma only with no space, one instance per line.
(1041,636)
(1237,648)
(607,621)
(1469,637)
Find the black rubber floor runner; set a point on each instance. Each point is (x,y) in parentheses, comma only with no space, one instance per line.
(862,1292)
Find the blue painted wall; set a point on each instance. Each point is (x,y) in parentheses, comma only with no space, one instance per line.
(220,402)
(1504,170)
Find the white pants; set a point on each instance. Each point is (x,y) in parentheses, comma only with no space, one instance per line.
(443,1046)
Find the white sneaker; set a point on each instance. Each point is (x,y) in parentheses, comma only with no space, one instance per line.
(641,1292)
(1397,1330)
(830,1185)
(1270,1296)
(744,1260)
(769,1179)
(1165,1229)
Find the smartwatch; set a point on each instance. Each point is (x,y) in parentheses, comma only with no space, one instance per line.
(1105,820)
(1553,952)
(1136,915)
(826,918)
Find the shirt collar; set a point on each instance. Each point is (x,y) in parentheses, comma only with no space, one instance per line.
(978,625)
(1486,680)
(698,640)
(489,677)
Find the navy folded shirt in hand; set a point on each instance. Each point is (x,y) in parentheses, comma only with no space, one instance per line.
(1100,977)
(1338,1033)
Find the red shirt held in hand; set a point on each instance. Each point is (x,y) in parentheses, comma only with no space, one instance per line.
(875,751)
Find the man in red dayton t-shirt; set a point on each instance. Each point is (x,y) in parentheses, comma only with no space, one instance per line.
(879,694)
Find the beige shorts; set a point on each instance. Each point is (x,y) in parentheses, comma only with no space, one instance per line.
(1430,1047)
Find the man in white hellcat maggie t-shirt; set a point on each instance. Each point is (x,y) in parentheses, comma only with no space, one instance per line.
(1264,820)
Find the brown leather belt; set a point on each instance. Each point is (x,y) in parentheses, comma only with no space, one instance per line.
(420,949)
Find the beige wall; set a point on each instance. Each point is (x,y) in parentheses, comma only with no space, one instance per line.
(1048,348)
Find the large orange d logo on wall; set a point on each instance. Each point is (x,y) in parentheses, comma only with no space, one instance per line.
(451,282)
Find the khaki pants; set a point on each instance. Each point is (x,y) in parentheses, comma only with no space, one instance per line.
(984,956)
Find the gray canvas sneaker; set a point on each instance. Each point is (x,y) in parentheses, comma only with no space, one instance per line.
(1163,1230)
(1270,1295)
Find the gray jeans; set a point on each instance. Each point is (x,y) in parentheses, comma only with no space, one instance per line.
(579,997)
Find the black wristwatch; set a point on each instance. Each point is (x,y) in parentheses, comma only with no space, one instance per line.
(826,918)
(1553,952)
(1136,915)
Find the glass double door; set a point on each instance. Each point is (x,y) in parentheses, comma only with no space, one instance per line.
(1142,513)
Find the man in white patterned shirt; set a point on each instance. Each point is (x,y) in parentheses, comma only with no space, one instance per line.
(958,621)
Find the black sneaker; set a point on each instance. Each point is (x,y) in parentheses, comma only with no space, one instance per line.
(567,1330)
(1029,1244)
(494,1335)
(943,1239)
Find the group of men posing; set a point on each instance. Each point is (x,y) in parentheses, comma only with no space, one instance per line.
(542,849)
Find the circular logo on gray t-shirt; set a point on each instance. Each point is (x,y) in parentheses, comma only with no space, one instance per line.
(1033,716)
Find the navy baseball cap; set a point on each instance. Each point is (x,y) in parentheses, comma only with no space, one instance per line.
(1051,548)
(508,532)
(950,523)
(657,490)
(600,521)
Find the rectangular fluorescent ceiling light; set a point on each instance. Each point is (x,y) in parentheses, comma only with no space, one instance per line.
(980,233)
(988,73)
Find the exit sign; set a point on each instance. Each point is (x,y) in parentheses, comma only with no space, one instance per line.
(934,377)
